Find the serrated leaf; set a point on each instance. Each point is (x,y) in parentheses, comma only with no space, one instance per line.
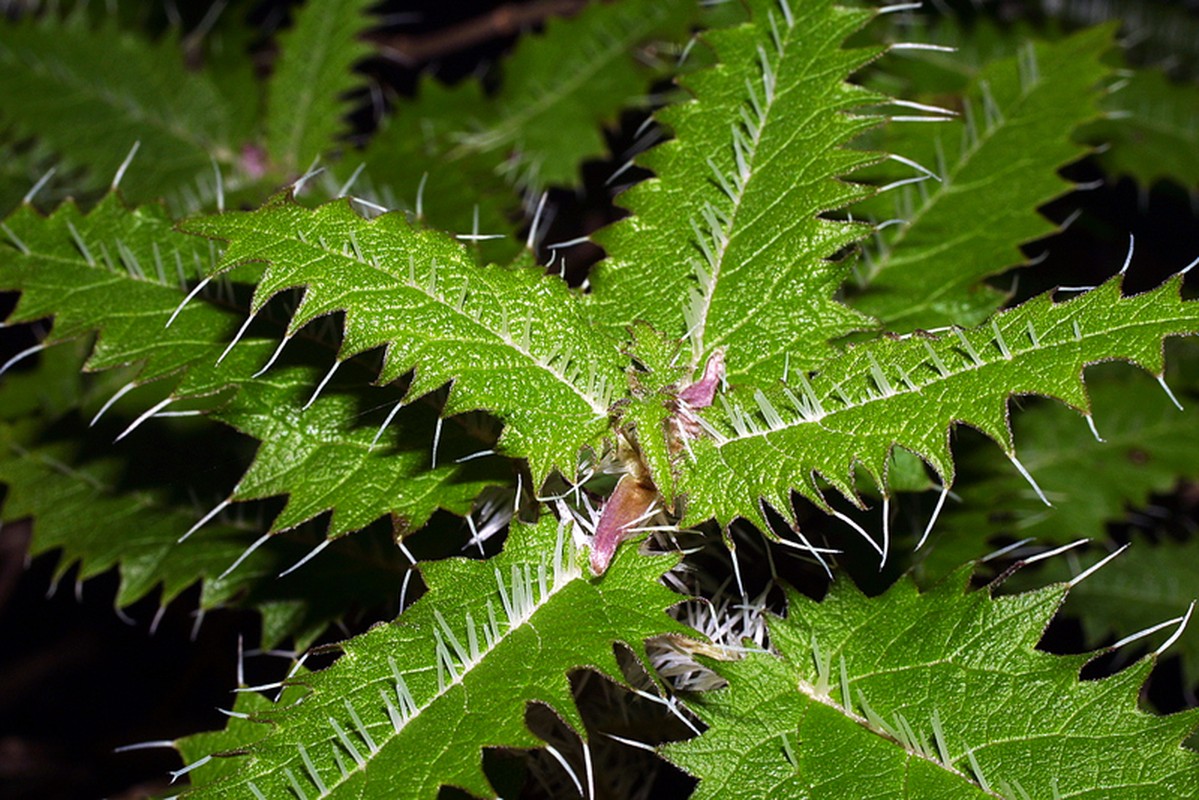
(83,508)
(1145,586)
(512,341)
(562,87)
(487,638)
(139,529)
(77,504)
(326,457)
(305,105)
(53,74)
(1148,446)
(850,414)
(947,698)
(1152,130)
(994,166)
(121,273)
(731,219)
(464,151)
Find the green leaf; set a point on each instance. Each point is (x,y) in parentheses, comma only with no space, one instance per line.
(940,695)
(119,272)
(726,242)
(512,341)
(78,504)
(305,106)
(1148,446)
(53,74)
(994,167)
(98,512)
(324,458)
(1152,130)
(1146,586)
(137,529)
(562,87)
(848,416)
(488,638)
(465,151)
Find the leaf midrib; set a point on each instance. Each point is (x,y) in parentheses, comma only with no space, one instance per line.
(555,588)
(133,107)
(595,404)
(965,367)
(726,241)
(505,128)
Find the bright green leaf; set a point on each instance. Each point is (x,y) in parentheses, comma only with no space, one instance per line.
(850,414)
(453,674)
(935,695)
(512,341)
(1148,445)
(725,244)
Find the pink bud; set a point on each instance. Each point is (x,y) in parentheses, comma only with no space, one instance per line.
(701,393)
(625,508)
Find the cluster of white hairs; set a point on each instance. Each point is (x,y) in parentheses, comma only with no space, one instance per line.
(492,512)
(719,607)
